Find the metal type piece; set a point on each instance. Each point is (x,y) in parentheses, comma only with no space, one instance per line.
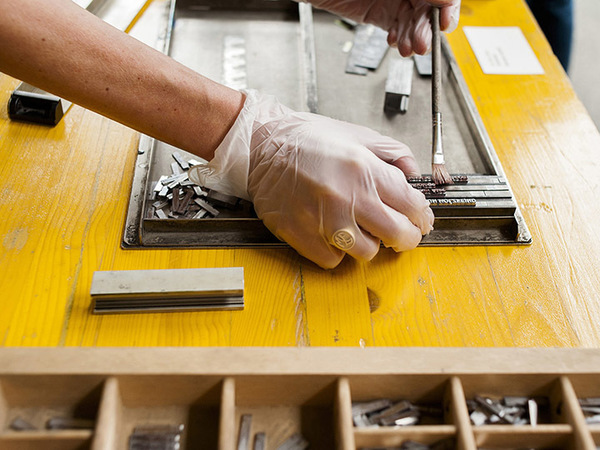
(343,239)
(423,64)
(370,407)
(405,421)
(69,423)
(423,185)
(589,401)
(207,207)
(478,418)
(362,421)
(398,85)
(175,169)
(492,407)
(452,202)
(456,179)
(182,162)
(159,428)
(244,433)
(591,409)
(167,290)
(160,214)
(160,204)
(20,424)
(532,408)
(370,46)
(260,441)
(397,408)
(294,442)
(228,201)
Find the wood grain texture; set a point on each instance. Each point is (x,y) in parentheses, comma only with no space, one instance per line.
(64,193)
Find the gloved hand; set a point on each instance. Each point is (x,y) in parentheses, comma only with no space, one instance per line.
(310,176)
(406,21)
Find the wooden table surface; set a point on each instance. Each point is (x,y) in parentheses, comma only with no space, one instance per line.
(64,193)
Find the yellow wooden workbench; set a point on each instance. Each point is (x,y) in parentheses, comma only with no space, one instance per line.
(64,193)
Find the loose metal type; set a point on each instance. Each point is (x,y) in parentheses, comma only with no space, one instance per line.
(481,210)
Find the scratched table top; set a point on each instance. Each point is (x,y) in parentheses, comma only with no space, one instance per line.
(64,193)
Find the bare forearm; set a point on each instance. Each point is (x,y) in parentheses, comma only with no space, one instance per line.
(59,47)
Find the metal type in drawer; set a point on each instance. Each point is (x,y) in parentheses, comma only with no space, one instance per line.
(295,53)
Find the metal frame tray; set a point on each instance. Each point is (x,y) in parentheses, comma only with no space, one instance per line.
(297,54)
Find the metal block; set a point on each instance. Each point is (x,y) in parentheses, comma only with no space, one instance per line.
(423,64)
(167,290)
(398,85)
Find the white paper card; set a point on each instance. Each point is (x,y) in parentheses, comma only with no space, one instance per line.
(503,51)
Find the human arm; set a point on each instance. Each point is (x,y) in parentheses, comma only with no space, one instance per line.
(61,48)
(306,174)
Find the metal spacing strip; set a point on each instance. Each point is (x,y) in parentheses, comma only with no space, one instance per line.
(481,136)
(307,37)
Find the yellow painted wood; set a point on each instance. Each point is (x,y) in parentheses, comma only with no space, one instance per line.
(64,192)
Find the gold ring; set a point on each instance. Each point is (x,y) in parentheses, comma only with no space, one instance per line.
(343,239)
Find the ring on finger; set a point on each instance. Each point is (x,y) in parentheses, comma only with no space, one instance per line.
(343,239)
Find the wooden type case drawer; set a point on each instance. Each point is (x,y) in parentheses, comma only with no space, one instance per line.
(287,391)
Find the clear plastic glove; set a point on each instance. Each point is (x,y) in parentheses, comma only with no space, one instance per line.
(406,21)
(310,176)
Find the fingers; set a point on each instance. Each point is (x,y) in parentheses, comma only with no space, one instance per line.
(411,32)
(393,152)
(392,227)
(301,235)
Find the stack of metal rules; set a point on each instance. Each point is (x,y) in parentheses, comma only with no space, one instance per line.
(591,409)
(386,413)
(156,437)
(167,290)
(509,410)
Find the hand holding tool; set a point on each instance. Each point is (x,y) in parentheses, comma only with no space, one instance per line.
(438,168)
